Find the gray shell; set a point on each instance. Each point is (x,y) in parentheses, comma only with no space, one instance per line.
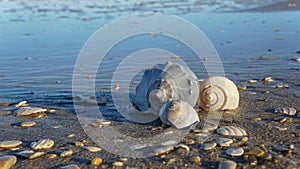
(178,113)
(164,83)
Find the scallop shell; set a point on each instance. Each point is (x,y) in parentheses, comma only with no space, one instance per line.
(178,113)
(231,131)
(27,111)
(218,93)
(286,110)
(164,83)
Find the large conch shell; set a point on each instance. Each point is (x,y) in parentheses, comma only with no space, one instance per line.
(164,83)
(218,93)
(178,113)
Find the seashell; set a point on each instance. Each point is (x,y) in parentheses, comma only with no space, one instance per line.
(227,165)
(182,146)
(6,162)
(118,164)
(21,104)
(231,131)
(164,83)
(42,144)
(51,156)
(268,79)
(67,153)
(27,124)
(286,110)
(218,93)
(36,155)
(223,142)
(93,149)
(178,113)
(209,146)
(96,161)
(27,111)
(235,151)
(10,144)
(26,153)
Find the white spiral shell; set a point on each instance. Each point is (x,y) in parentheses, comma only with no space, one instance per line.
(218,93)
(178,113)
(164,83)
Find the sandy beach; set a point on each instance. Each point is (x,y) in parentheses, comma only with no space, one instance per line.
(38,61)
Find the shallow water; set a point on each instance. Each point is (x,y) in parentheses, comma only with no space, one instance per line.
(40,42)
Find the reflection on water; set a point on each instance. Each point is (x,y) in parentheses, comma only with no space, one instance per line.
(40,40)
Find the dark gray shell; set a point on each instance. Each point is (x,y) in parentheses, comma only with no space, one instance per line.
(164,83)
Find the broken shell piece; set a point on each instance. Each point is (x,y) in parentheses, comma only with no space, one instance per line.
(42,144)
(286,110)
(178,113)
(218,93)
(268,79)
(164,83)
(27,111)
(21,104)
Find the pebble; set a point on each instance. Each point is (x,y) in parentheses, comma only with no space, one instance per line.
(252,81)
(71,166)
(93,149)
(209,146)
(223,142)
(182,146)
(118,164)
(36,155)
(26,153)
(71,136)
(227,165)
(257,152)
(27,111)
(235,151)
(8,161)
(286,110)
(231,131)
(42,144)
(66,153)
(21,104)
(51,156)
(10,144)
(79,144)
(96,161)
(197,160)
(28,124)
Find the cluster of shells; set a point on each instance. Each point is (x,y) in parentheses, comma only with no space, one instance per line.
(171,91)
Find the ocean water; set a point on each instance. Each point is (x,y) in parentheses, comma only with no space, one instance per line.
(40,41)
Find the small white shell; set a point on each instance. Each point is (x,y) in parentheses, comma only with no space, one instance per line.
(286,110)
(218,93)
(178,113)
(164,83)
(27,111)
(231,131)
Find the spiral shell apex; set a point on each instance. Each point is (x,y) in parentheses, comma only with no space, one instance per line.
(164,83)
(178,113)
(218,93)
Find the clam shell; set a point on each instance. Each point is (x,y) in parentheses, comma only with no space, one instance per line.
(286,110)
(231,131)
(178,113)
(218,93)
(164,83)
(7,161)
(27,111)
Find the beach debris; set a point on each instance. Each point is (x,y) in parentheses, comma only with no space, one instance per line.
(178,113)
(42,144)
(218,93)
(164,83)
(209,146)
(227,165)
(28,124)
(223,142)
(51,156)
(182,146)
(21,104)
(235,151)
(252,81)
(268,79)
(256,152)
(96,161)
(6,162)
(93,149)
(25,153)
(118,164)
(71,166)
(66,153)
(27,111)
(286,110)
(196,160)
(36,155)
(231,131)
(10,144)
